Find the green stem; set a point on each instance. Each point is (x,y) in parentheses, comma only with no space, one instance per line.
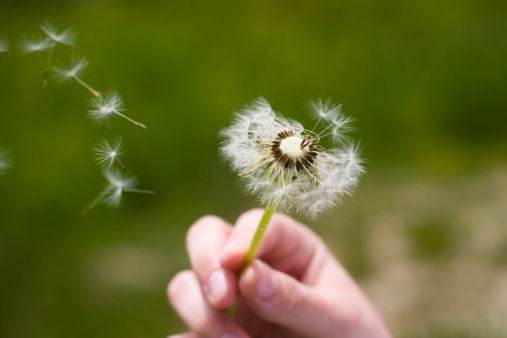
(129,119)
(259,234)
(96,201)
(254,246)
(82,83)
(46,71)
(141,191)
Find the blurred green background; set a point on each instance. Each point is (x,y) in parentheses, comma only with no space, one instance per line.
(425,234)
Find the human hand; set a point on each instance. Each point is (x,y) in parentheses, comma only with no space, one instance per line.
(295,287)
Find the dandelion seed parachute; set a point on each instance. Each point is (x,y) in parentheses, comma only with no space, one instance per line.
(78,65)
(66,37)
(278,160)
(5,161)
(111,195)
(117,184)
(108,152)
(34,44)
(108,106)
(4,45)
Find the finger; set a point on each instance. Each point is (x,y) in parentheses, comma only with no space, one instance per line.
(282,300)
(205,240)
(287,246)
(202,319)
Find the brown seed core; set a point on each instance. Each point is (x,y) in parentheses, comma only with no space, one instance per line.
(308,151)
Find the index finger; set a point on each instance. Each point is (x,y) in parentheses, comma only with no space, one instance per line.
(205,240)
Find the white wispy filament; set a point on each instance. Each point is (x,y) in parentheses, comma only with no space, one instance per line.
(280,161)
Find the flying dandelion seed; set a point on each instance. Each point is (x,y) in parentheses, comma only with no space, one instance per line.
(109,152)
(281,162)
(112,193)
(108,106)
(78,67)
(35,44)
(66,37)
(4,45)
(5,161)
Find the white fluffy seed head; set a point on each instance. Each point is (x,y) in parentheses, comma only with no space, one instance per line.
(279,160)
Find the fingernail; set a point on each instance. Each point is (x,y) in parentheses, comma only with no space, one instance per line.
(216,287)
(265,285)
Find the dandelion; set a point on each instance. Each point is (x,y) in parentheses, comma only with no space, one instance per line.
(4,45)
(77,68)
(66,37)
(109,152)
(112,193)
(5,161)
(283,164)
(108,106)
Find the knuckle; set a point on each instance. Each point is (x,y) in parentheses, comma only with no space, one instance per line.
(294,304)
(250,214)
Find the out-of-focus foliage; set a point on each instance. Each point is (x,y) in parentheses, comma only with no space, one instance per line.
(425,233)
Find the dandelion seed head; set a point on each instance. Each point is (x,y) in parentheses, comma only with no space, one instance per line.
(278,159)
(4,45)
(77,67)
(66,37)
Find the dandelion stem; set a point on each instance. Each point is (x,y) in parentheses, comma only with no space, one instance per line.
(121,164)
(41,60)
(129,119)
(259,234)
(254,245)
(151,192)
(96,201)
(82,83)
(46,71)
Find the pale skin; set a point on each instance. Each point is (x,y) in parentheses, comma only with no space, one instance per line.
(295,287)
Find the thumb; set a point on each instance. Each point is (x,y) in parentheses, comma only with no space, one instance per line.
(280,299)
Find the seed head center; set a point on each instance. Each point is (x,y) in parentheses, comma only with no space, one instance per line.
(291,146)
